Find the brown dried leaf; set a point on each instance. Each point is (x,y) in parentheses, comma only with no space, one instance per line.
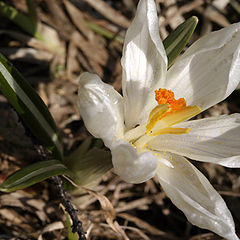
(185,8)
(212,14)
(51,227)
(78,19)
(109,212)
(72,63)
(139,203)
(144,225)
(100,56)
(172,10)
(26,54)
(109,12)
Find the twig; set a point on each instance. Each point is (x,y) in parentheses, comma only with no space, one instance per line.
(77,225)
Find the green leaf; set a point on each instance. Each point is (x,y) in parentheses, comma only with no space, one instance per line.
(29,106)
(178,39)
(25,22)
(89,166)
(71,235)
(104,32)
(30,24)
(33,174)
(32,13)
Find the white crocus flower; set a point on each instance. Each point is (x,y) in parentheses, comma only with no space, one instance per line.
(148,137)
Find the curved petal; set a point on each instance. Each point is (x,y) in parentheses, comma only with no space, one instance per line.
(144,63)
(209,70)
(192,193)
(130,165)
(101,108)
(215,139)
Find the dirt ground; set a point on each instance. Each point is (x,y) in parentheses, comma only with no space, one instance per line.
(143,211)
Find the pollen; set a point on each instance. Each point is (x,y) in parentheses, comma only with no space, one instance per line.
(164,96)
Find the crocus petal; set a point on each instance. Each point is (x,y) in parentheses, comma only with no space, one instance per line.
(209,70)
(215,139)
(192,193)
(101,108)
(144,63)
(132,166)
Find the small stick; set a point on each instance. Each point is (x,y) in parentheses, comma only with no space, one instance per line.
(77,225)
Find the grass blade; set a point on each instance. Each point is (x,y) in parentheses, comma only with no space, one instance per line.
(178,39)
(20,19)
(29,106)
(33,174)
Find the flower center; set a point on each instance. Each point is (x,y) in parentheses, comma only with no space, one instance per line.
(168,112)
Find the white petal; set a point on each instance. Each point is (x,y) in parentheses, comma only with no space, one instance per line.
(215,140)
(192,193)
(132,166)
(101,108)
(144,63)
(209,70)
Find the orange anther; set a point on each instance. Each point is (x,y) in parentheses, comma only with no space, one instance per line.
(164,96)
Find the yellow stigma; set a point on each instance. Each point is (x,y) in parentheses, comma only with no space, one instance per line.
(170,111)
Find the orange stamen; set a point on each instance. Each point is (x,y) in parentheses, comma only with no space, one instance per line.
(164,96)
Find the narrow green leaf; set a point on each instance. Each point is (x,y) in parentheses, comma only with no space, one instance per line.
(177,39)
(32,13)
(20,19)
(88,167)
(104,32)
(33,174)
(29,106)
(71,235)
